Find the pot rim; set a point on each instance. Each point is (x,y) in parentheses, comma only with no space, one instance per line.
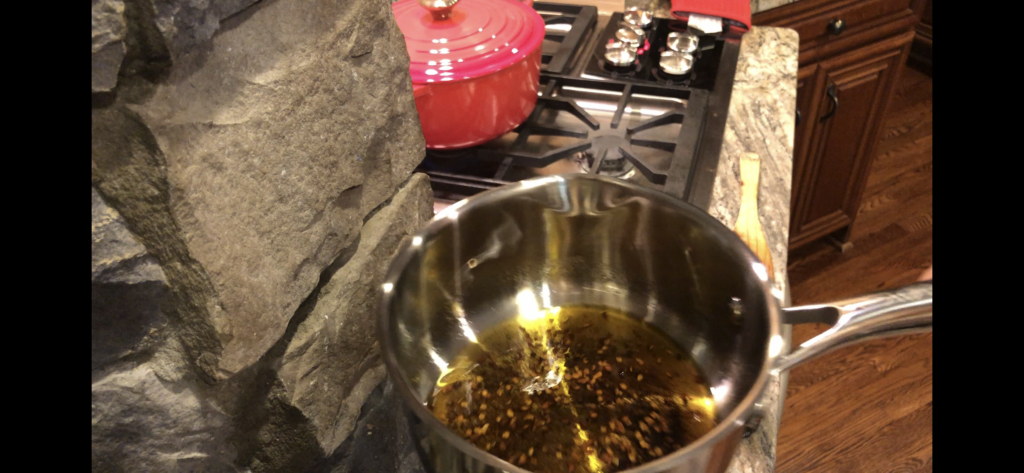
(735,420)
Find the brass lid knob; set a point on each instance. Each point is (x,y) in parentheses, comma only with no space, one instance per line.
(440,9)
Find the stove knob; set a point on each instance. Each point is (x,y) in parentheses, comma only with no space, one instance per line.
(676,63)
(640,34)
(638,17)
(682,42)
(620,55)
(628,36)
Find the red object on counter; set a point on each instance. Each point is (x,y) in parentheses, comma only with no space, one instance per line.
(736,10)
(475,66)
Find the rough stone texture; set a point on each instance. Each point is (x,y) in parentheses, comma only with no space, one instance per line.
(380,440)
(141,423)
(762,119)
(185,24)
(127,287)
(245,166)
(262,153)
(332,361)
(117,257)
(108,49)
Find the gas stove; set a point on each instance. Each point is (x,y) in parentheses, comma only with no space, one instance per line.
(634,122)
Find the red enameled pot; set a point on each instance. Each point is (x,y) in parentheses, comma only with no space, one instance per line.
(475,66)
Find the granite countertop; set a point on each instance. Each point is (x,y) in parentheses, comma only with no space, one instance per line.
(761,120)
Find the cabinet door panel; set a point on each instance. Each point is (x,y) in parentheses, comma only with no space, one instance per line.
(808,92)
(838,155)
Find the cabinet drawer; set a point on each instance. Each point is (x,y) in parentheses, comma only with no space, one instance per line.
(811,18)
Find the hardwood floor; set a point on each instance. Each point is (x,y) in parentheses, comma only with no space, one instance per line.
(868,408)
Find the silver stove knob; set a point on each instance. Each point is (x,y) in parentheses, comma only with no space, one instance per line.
(682,42)
(620,54)
(628,36)
(638,17)
(640,34)
(675,62)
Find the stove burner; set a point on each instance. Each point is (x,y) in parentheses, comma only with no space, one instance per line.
(620,60)
(665,78)
(612,165)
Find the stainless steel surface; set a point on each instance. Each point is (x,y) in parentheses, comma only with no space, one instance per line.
(579,239)
(629,36)
(617,44)
(439,9)
(640,34)
(585,239)
(682,41)
(620,54)
(638,17)
(676,63)
(901,311)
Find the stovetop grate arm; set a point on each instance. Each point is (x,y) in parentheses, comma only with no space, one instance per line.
(663,119)
(570,106)
(655,177)
(582,20)
(552,131)
(537,161)
(598,161)
(655,144)
(623,100)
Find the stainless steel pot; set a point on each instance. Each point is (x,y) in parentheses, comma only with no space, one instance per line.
(584,239)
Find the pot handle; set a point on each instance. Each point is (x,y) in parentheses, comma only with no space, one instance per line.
(901,311)
(440,9)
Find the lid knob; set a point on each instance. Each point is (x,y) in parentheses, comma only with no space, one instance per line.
(440,9)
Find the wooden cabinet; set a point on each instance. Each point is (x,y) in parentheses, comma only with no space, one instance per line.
(847,74)
(921,51)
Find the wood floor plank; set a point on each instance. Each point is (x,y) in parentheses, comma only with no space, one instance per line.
(867,408)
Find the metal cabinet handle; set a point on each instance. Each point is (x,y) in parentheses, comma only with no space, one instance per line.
(836,26)
(798,117)
(835,102)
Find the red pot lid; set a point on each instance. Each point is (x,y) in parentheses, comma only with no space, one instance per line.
(465,39)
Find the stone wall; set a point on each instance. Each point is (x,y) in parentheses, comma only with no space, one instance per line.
(252,176)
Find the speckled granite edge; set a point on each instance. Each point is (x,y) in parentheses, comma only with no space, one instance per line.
(762,118)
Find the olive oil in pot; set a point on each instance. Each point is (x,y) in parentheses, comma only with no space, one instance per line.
(577,389)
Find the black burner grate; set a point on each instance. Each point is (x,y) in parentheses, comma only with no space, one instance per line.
(591,144)
(657,131)
(566,26)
